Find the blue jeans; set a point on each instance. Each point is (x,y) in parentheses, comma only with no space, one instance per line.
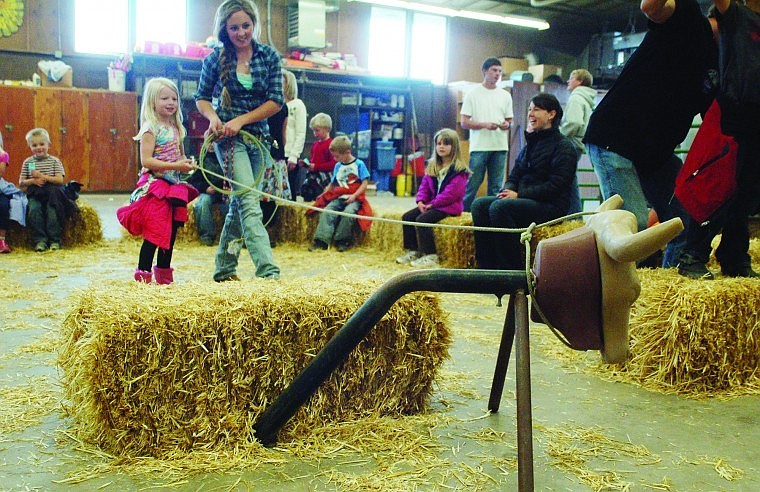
(637,186)
(337,227)
(493,162)
(576,205)
(203,211)
(243,219)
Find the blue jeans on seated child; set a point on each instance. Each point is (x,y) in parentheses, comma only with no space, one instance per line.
(244,216)
(42,219)
(337,227)
(203,210)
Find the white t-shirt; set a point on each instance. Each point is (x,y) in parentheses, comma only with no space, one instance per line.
(492,105)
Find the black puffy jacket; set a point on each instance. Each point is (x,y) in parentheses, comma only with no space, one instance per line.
(544,169)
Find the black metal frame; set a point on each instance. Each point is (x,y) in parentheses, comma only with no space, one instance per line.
(359,325)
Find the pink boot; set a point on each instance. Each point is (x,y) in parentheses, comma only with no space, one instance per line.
(143,276)
(4,248)
(164,276)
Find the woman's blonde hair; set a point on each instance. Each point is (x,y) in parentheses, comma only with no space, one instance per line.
(223,12)
(289,85)
(148,115)
(458,164)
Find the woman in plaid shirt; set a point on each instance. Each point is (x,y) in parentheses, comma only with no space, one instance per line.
(240,87)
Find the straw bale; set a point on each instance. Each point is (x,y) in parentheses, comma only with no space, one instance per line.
(193,368)
(83,228)
(456,247)
(695,337)
(189,232)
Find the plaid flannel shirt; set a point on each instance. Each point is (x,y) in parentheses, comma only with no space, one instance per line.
(266,72)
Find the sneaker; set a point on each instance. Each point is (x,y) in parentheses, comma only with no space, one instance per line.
(696,270)
(4,248)
(342,246)
(408,257)
(427,261)
(55,246)
(740,271)
(40,246)
(231,278)
(318,244)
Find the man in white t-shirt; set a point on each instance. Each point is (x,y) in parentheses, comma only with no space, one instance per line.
(487,113)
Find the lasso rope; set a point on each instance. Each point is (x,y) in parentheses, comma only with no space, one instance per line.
(526,233)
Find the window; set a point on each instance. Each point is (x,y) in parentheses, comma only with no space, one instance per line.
(387,42)
(101,27)
(116,26)
(416,48)
(162,21)
(428,53)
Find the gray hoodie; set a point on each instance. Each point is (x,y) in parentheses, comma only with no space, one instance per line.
(577,113)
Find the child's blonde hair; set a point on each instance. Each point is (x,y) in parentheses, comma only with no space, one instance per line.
(321,120)
(458,164)
(37,132)
(340,144)
(148,116)
(289,85)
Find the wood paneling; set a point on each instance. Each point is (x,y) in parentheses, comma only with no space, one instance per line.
(17,118)
(113,155)
(90,131)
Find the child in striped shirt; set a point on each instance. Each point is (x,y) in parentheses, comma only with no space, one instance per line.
(41,176)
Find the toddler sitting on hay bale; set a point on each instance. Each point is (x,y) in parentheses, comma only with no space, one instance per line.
(195,366)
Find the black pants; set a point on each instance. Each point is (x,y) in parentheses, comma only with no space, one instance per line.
(500,250)
(164,257)
(733,218)
(5,212)
(421,238)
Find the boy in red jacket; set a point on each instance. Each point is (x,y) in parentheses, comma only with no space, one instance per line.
(321,163)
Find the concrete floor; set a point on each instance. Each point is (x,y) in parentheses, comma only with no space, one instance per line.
(638,439)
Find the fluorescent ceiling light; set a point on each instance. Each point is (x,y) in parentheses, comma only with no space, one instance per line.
(466,14)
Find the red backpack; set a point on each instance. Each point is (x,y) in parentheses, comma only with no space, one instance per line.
(707,179)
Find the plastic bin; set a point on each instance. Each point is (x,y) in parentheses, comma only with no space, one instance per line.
(382,180)
(386,156)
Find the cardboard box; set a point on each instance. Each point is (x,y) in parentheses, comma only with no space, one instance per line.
(66,80)
(509,65)
(540,72)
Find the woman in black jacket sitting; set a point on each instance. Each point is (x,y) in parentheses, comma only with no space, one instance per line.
(537,190)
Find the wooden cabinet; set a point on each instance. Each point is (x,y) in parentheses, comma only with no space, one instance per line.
(16,118)
(113,152)
(90,131)
(63,113)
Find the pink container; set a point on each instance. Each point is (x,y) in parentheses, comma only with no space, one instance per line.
(172,49)
(152,47)
(194,51)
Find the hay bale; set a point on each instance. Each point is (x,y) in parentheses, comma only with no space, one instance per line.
(82,229)
(193,367)
(693,336)
(188,233)
(456,247)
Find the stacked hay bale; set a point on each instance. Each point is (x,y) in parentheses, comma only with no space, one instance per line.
(152,371)
(695,337)
(83,228)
